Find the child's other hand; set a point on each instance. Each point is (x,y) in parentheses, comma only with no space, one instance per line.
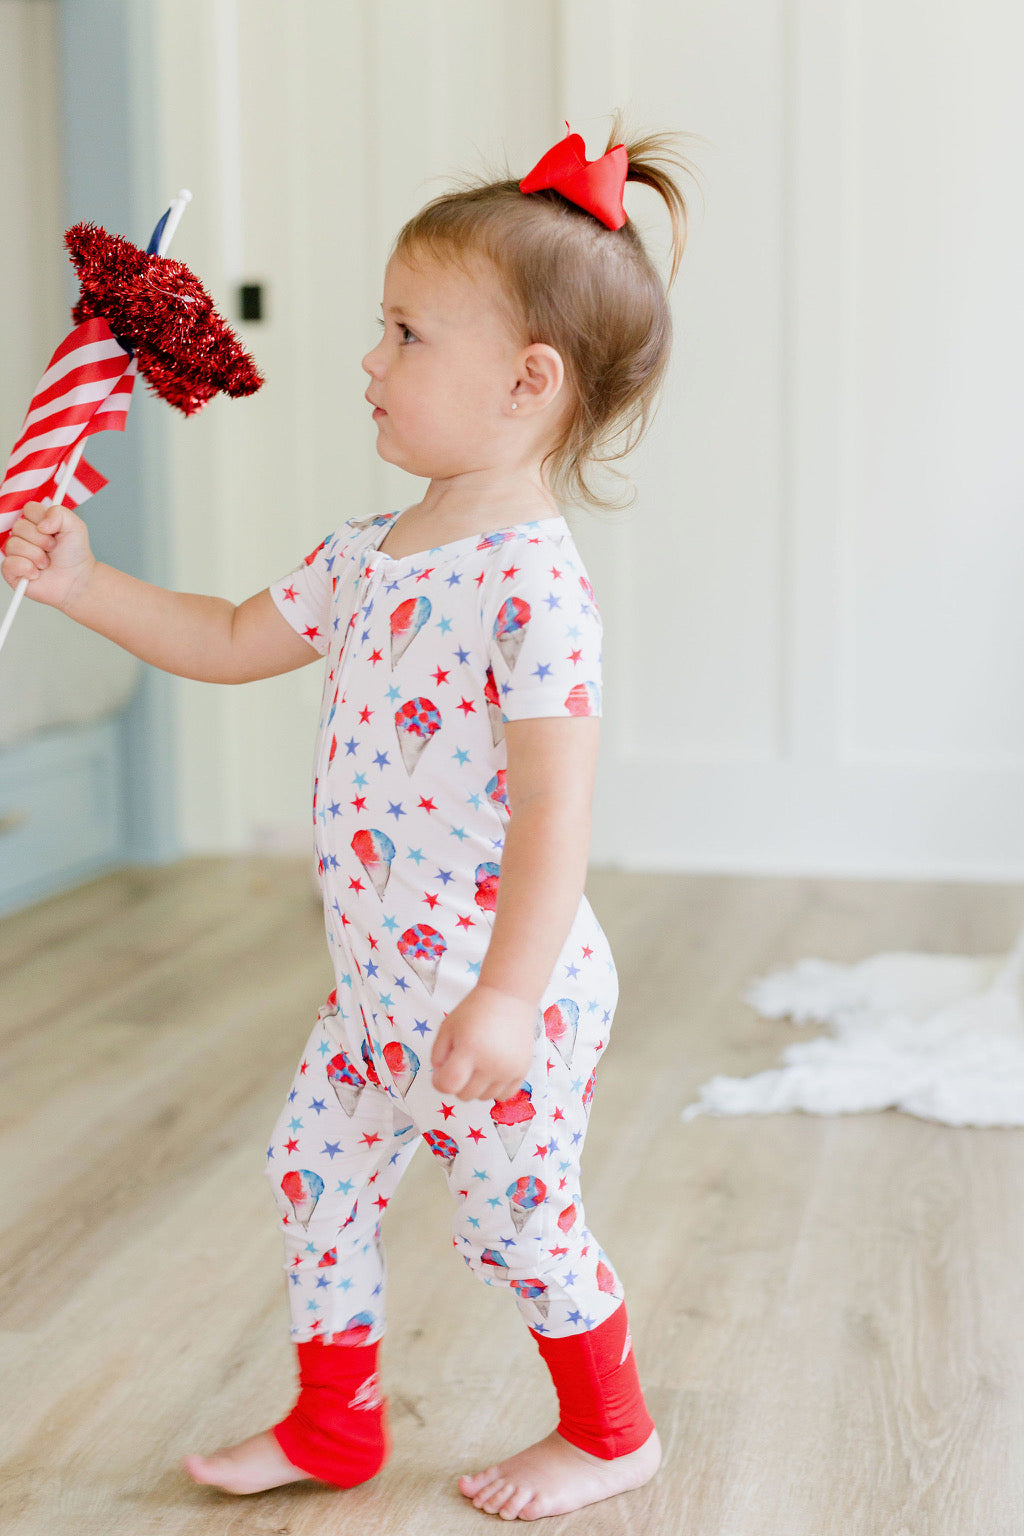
(484,1047)
(49,545)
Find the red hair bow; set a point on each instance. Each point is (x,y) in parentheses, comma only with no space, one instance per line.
(595,185)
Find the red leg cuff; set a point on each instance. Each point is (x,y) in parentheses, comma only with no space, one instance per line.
(337,1430)
(601,1406)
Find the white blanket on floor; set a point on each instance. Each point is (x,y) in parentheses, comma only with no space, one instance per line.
(939,1036)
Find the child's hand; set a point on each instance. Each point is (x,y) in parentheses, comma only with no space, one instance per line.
(49,545)
(484,1047)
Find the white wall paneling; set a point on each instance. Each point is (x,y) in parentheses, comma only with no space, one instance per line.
(814,644)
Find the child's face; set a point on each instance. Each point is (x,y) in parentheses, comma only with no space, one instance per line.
(443,371)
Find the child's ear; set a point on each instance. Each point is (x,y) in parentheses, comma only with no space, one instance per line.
(539,378)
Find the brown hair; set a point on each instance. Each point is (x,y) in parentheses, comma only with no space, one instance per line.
(590,292)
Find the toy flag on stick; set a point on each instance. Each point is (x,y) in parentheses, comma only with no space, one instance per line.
(137,311)
(87,388)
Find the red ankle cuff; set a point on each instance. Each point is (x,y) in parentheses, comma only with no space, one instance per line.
(337,1430)
(601,1406)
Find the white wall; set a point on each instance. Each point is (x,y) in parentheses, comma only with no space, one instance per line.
(813,655)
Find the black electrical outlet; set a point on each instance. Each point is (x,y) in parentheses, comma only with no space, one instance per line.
(250,301)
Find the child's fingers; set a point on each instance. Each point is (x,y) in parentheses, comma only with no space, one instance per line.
(16,567)
(30,536)
(26,552)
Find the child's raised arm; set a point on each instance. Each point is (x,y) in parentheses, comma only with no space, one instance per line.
(206,638)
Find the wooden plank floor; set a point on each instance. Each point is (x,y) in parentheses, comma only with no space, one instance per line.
(827,1312)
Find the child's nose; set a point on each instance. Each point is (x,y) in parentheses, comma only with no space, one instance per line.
(372,363)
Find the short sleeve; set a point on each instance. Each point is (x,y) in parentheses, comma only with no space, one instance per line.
(543,631)
(303,597)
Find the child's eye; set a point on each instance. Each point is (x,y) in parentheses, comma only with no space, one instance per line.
(407,335)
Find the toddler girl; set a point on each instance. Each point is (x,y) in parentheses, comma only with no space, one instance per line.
(524,330)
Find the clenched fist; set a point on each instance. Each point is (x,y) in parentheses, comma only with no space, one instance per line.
(49,546)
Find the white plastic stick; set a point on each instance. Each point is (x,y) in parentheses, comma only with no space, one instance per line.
(179,203)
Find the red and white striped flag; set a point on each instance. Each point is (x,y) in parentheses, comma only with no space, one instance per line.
(86,388)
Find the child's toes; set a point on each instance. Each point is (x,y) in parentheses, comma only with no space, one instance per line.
(471,1485)
(514,1507)
(492,1499)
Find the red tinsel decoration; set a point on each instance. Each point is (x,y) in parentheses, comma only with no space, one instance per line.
(160,309)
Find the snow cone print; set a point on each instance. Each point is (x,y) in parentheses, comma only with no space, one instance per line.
(499,536)
(421,947)
(606,1280)
(524,1196)
(374,850)
(584,699)
(403,1064)
(356,1330)
(535,1291)
(346,1081)
(303,1188)
(416,722)
(510,628)
(328,1259)
(588,1092)
(494,713)
(371,1070)
(512,1117)
(407,1132)
(496,1261)
(497,790)
(406,622)
(567,1219)
(487,886)
(561,1022)
(442,1145)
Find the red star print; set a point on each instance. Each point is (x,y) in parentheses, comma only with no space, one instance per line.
(541,1151)
(558,1114)
(373,941)
(479,579)
(587,951)
(359,802)
(441,676)
(356,885)
(574,657)
(291,1146)
(447,1110)
(424,574)
(312,633)
(561,1183)
(465,922)
(430,900)
(558,1253)
(369,1139)
(476,1135)
(364,714)
(289,594)
(376,656)
(344,924)
(427,805)
(467,706)
(513,570)
(302,1069)
(297,1259)
(381,1203)
(556,573)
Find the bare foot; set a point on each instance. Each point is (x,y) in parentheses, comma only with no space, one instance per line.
(554,1477)
(250,1467)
